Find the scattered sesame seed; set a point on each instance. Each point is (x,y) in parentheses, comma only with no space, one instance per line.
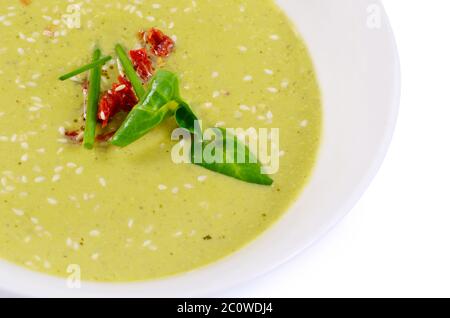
(71,165)
(94,233)
(39,179)
(58,169)
(242,48)
(52,201)
(202,178)
(102,181)
(274,37)
(304,123)
(79,170)
(18,212)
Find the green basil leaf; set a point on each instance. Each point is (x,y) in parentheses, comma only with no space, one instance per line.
(249,171)
(140,121)
(185,117)
(145,116)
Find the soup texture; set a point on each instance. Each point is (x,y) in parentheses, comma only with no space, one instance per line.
(131,214)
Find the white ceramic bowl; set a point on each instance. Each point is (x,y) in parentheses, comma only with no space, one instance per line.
(355,55)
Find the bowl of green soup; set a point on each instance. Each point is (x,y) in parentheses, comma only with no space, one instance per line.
(178,147)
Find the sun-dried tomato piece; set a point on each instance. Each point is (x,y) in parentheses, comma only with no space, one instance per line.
(120,97)
(75,136)
(106,108)
(124,94)
(161,44)
(142,63)
(105,137)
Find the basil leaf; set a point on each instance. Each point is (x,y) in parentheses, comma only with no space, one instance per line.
(185,117)
(164,88)
(146,116)
(249,171)
(140,121)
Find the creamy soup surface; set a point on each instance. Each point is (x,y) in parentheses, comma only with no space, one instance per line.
(132,214)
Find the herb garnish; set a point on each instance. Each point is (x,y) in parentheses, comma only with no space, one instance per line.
(92,105)
(161,100)
(87,67)
(249,170)
(129,71)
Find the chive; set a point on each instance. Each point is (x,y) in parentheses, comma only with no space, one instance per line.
(87,67)
(130,72)
(92,104)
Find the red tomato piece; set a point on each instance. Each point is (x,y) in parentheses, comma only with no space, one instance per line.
(161,44)
(142,63)
(120,97)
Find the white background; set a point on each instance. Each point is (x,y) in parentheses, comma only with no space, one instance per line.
(396,241)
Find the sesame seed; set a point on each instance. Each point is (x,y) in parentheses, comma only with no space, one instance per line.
(102,181)
(94,233)
(79,170)
(242,48)
(58,169)
(285,84)
(120,87)
(18,212)
(52,201)
(39,179)
(274,37)
(304,123)
(202,178)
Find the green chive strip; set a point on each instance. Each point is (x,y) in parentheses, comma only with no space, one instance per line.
(87,67)
(92,103)
(128,68)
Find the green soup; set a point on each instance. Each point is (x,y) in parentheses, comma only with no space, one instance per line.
(132,214)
